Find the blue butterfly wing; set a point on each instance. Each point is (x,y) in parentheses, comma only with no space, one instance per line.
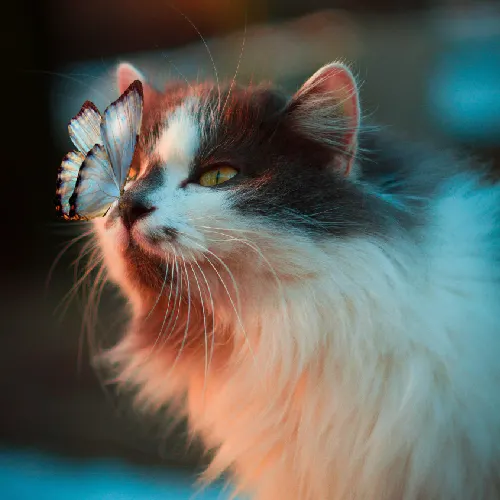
(96,187)
(85,128)
(120,128)
(66,181)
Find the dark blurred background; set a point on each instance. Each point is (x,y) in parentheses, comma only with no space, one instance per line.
(429,69)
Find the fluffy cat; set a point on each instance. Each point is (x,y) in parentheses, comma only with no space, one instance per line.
(320,300)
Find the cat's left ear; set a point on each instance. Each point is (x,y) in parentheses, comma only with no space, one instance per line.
(326,109)
(126,74)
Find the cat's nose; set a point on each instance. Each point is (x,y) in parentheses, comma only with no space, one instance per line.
(132,209)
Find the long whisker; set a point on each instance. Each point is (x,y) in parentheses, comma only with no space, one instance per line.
(204,320)
(252,245)
(231,277)
(213,318)
(90,317)
(74,289)
(186,329)
(60,255)
(167,309)
(161,291)
(180,73)
(88,247)
(103,278)
(236,309)
(91,248)
(72,78)
(209,52)
(178,299)
(257,249)
(235,230)
(233,81)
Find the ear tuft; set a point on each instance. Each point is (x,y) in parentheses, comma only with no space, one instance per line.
(326,108)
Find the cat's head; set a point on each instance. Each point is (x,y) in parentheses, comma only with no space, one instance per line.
(238,191)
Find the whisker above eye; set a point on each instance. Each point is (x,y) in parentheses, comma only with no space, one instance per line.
(209,52)
(233,81)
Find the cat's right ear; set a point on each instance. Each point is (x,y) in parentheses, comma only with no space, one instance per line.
(126,74)
(326,109)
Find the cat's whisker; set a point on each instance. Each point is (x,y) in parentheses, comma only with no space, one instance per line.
(167,309)
(65,302)
(89,301)
(85,250)
(179,72)
(59,256)
(212,310)
(103,279)
(231,277)
(298,218)
(257,249)
(204,320)
(90,247)
(178,299)
(251,231)
(233,81)
(161,291)
(205,250)
(89,322)
(309,219)
(188,318)
(73,78)
(235,308)
(209,52)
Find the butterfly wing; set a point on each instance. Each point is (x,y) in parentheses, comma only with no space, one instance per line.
(66,180)
(85,128)
(120,128)
(96,187)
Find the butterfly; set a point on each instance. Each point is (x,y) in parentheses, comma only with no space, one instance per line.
(92,177)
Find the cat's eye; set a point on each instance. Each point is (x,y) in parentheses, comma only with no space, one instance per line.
(217,176)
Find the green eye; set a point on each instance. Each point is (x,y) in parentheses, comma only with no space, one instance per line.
(217,176)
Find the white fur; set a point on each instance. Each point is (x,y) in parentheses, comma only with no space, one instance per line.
(181,137)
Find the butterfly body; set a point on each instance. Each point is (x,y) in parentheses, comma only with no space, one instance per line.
(93,177)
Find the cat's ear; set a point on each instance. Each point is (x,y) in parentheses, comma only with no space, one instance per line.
(326,109)
(126,74)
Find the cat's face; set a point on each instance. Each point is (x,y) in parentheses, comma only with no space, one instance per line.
(245,184)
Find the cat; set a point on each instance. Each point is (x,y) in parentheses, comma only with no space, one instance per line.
(318,297)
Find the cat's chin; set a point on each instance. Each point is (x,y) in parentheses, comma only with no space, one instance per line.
(145,270)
